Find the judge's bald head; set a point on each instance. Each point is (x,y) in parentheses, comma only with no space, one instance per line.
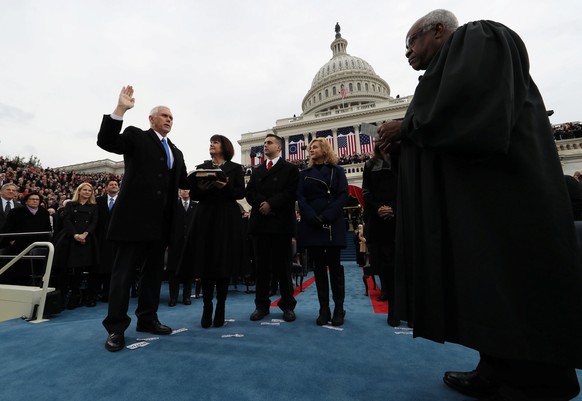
(427,35)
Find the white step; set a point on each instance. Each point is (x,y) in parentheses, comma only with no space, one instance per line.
(18,301)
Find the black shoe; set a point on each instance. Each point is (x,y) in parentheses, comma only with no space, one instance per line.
(172,302)
(219,315)
(91,302)
(381,298)
(470,383)
(258,314)
(324,317)
(187,301)
(206,320)
(289,315)
(115,342)
(154,327)
(338,317)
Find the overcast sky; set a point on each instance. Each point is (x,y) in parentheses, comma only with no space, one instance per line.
(226,67)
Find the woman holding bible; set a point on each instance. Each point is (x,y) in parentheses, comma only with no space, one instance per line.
(213,249)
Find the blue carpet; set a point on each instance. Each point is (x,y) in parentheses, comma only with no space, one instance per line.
(267,360)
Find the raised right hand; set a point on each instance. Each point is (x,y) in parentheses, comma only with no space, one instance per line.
(126,101)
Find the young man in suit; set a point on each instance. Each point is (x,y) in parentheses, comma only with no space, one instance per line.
(271,192)
(141,220)
(105,206)
(183,216)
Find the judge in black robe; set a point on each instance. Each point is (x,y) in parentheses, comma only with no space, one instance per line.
(486,249)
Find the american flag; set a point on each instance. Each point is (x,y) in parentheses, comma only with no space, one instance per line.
(329,138)
(257,156)
(346,144)
(366,144)
(343,90)
(296,151)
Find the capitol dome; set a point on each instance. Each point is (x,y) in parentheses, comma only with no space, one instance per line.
(344,81)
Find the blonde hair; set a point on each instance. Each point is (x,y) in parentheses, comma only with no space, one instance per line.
(329,156)
(91,200)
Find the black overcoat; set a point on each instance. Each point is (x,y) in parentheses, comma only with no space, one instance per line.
(485,229)
(21,220)
(77,219)
(278,187)
(215,240)
(140,213)
(379,189)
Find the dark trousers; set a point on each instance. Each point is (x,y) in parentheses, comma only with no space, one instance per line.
(174,286)
(530,380)
(129,257)
(382,261)
(322,259)
(273,260)
(221,285)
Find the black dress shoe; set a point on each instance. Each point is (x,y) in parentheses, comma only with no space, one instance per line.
(115,342)
(258,314)
(187,301)
(154,327)
(470,383)
(289,315)
(172,303)
(382,298)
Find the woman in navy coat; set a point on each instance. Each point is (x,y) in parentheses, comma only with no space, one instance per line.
(322,194)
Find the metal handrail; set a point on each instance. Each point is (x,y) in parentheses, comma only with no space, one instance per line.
(26,234)
(45,277)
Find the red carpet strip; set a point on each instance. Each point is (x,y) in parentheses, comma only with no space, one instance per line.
(379,306)
(297,290)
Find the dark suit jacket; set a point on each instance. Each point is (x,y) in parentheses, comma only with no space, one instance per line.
(105,246)
(3,215)
(278,187)
(180,228)
(144,206)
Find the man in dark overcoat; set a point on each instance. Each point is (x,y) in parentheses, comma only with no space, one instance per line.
(271,192)
(485,228)
(141,220)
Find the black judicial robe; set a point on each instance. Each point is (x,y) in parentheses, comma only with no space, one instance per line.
(486,249)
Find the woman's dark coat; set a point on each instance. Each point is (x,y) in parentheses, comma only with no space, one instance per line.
(214,244)
(322,192)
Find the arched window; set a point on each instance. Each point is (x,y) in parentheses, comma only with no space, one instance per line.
(351,86)
(359,86)
(326,93)
(366,86)
(319,95)
(334,91)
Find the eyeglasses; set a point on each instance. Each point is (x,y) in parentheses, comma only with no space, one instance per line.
(412,38)
(34,199)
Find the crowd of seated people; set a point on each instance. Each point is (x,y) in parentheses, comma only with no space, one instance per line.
(54,186)
(567,131)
